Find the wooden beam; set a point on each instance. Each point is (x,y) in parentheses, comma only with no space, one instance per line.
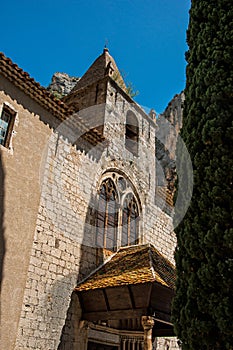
(163,322)
(131,297)
(106,299)
(149,294)
(163,333)
(113,315)
(162,317)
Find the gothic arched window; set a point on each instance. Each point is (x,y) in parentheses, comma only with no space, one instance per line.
(107,216)
(131,133)
(130,217)
(117,215)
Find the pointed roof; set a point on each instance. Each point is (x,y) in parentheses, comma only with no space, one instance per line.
(129,266)
(103,66)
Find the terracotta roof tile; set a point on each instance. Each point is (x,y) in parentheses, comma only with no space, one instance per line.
(131,265)
(42,96)
(32,88)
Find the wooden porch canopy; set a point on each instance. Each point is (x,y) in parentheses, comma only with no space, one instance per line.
(136,281)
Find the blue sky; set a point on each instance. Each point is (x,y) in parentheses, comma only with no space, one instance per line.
(147,39)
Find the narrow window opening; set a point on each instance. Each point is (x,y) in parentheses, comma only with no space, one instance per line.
(131,133)
(107,216)
(130,219)
(7,119)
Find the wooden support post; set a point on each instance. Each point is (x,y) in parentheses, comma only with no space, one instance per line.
(147,324)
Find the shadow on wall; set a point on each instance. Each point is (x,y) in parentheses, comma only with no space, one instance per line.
(90,258)
(2,239)
(60,294)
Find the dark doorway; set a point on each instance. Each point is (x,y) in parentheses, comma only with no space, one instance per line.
(97,346)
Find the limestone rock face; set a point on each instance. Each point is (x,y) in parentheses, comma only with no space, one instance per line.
(169,124)
(61,84)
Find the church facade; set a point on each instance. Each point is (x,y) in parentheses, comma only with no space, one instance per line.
(87,239)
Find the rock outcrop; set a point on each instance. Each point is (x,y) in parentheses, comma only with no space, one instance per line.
(61,84)
(169,124)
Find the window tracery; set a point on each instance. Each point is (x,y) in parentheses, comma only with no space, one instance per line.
(117,219)
(107,216)
(130,218)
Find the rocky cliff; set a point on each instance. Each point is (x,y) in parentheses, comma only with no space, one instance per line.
(169,124)
(61,84)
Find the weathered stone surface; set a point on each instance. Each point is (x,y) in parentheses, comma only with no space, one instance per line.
(62,83)
(169,124)
(50,195)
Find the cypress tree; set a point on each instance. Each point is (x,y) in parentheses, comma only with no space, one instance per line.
(202,310)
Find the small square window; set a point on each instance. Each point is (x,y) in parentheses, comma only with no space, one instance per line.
(7,119)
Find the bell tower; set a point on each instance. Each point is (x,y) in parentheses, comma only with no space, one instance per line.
(91,89)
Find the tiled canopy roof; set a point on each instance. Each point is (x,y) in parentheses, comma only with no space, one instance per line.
(129,266)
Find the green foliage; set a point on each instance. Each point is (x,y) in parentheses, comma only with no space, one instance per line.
(127,86)
(202,309)
(57,94)
(130,89)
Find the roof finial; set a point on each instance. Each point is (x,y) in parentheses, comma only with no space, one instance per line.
(106,45)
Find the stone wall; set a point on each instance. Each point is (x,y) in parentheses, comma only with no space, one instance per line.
(57,253)
(21,196)
(168,343)
(156,225)
(50,196)
(87,96)
(63,248)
